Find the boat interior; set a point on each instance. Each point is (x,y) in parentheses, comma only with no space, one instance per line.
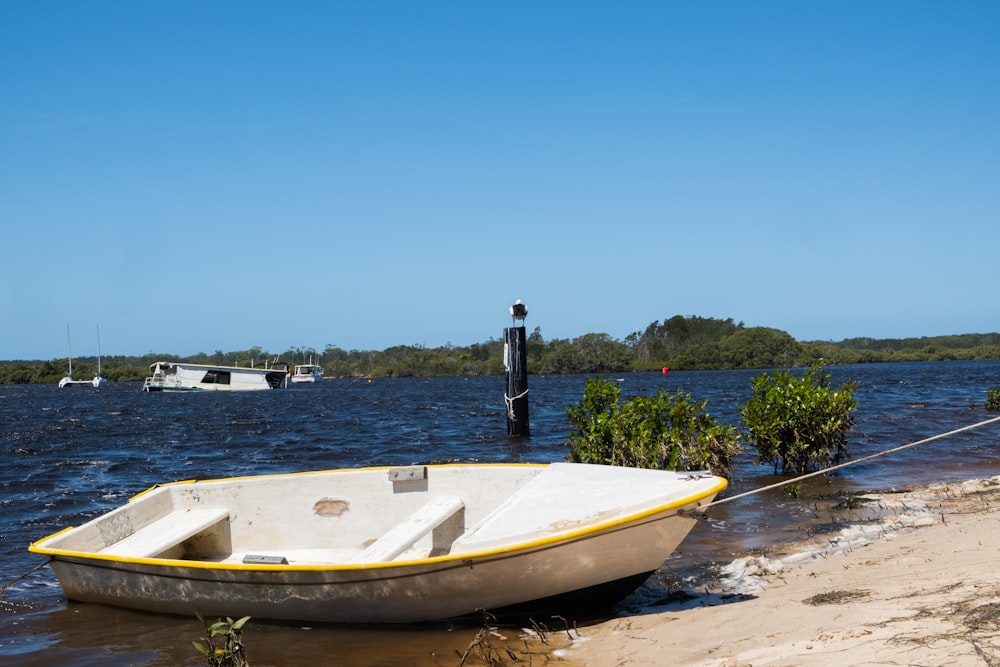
(364,517)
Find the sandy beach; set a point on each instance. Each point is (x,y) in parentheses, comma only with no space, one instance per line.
(920,588)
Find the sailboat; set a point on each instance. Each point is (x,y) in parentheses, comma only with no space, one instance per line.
(68,381)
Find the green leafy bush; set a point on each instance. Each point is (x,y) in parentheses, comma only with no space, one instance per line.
(665,431)
(799,424)
(993,399)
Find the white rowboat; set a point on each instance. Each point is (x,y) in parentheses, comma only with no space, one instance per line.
(381,545)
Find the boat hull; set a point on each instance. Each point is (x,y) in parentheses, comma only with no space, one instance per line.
(70,382)
(419,592)
(610,556)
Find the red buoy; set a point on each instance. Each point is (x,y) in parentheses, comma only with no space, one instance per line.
(665,370)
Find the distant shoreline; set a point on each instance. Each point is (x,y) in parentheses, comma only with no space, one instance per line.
(680,343)
(428,364)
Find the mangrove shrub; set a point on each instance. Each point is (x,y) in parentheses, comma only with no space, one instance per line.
(799,424)
(993,399)
(668,432)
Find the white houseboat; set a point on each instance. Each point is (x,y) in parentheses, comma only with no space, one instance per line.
(182,376)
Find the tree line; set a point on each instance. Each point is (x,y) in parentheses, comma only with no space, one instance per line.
(678,343)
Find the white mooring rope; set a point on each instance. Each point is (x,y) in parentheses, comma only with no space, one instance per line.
(510,403)
(848,463)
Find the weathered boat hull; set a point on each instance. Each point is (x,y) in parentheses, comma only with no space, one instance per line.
(418,592)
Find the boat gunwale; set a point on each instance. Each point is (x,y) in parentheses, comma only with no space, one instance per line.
(463,558)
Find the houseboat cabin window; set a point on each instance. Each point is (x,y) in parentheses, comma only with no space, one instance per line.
(216,377)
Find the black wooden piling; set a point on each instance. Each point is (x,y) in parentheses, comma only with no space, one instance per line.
(515,362)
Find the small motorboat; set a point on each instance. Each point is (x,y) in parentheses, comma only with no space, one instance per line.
(307,373)
(382,545)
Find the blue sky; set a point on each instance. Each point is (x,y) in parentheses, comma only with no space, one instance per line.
(195,176)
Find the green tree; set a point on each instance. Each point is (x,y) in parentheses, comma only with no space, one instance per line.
(669,432)
(599,353)
(560,357)
(759,347)
(799,424)
(661,342)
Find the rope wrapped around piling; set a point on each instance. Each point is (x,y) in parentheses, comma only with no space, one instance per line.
(510,404)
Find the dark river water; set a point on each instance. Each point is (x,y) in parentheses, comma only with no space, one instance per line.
(71,454)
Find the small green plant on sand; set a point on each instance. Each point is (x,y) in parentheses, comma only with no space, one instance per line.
(223,645)
(665,431)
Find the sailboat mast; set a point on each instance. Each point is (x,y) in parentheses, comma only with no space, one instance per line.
(98,350)
(69,348)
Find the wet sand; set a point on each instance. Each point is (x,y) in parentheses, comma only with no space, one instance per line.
(922,588)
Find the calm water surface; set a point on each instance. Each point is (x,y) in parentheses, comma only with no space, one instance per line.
(72,454)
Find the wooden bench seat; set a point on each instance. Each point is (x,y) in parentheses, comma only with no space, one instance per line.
(166,532)
(404,535)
